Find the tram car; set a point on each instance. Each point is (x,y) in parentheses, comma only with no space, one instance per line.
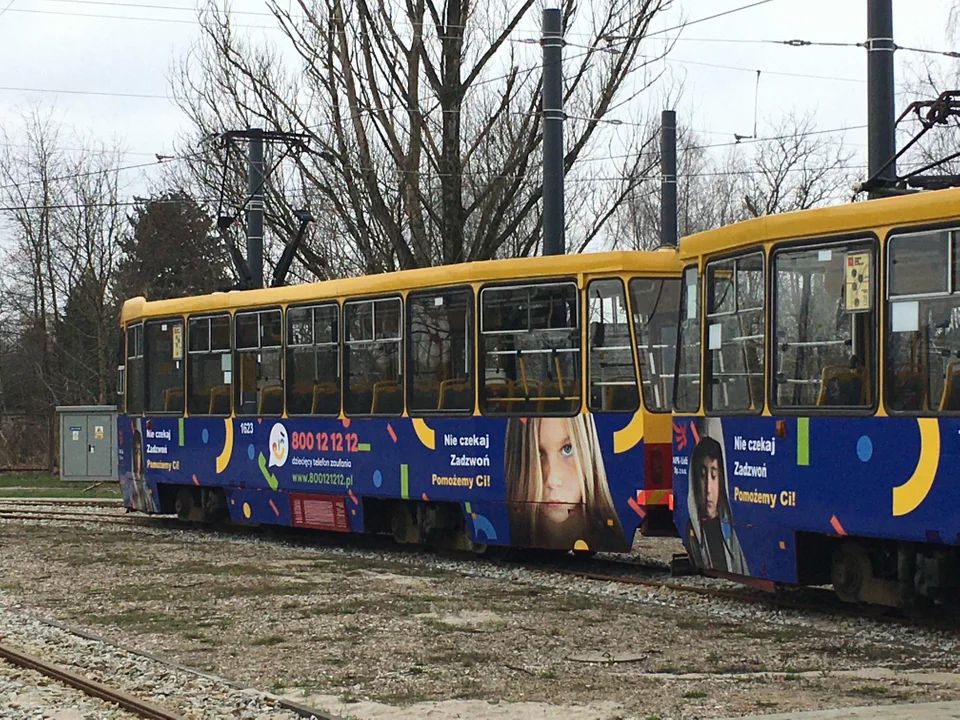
(817,406)
(517,402)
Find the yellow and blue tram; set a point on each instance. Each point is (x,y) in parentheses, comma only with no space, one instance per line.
(817,406)
(521,402)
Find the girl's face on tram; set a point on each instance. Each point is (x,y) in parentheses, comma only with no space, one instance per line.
(561,478)
(710,486)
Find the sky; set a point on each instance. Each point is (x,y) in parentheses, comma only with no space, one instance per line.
(104,67)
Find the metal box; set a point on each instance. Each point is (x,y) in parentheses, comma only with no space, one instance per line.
(88,442)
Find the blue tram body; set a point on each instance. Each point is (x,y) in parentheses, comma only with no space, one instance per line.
(321,472)
(835,477)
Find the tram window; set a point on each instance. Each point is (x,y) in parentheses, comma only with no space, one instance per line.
(372,356)
(735,334)
(655,303)
(530,349)
(440,357)
(923,323)
(134,369)
(824,317)
(687,393)
(163,352)
(313,360)
(613,377)
(259,385)
(209,366)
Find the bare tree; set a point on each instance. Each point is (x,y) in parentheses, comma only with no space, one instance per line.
(792,167)
(424,117)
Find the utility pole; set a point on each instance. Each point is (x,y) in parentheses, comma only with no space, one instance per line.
(881,138)
(255,206)
(668,178)
(553,117)
(250,270)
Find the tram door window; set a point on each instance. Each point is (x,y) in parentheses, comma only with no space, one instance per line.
(259,382)
(734,349)
(530,349)
(923,322)
(209,366)
(440,351)
(313,360)
(823,326)
(163,351)
(655,303)
(613,376)
(372,356)
(687,393)
(134,369)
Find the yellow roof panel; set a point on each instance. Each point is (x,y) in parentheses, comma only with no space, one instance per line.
(656,262)
(924,207)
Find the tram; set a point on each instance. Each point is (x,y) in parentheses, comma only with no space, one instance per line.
(817,406)
(517,402)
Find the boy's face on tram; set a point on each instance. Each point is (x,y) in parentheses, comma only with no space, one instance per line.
(561,478)
(709,486)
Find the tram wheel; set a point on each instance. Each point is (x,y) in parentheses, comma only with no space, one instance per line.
(184,504)
(851,570)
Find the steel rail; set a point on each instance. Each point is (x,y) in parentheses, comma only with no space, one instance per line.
(90,687)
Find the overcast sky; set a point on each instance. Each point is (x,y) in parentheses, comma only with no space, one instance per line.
(128,48)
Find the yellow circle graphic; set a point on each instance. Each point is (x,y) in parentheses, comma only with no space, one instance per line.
(580,545)
(246,510)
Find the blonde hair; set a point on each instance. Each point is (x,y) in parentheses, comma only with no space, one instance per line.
(524,476)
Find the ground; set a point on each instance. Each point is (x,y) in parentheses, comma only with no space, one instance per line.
(364,632)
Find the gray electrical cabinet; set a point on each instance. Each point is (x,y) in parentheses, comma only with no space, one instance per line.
(88,442)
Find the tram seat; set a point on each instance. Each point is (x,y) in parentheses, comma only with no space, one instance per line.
(910,390)
(620,397)
(841,385)
(387,398)
(950,399)
(326,399)
(219,400)
(271,400)
(455,394)
(497,393)
(173,400)
(552,398)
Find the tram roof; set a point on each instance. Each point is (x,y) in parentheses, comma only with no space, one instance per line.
(923,207)
(639,262)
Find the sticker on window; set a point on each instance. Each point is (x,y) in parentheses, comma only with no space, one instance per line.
(713,337)
(905,316)
(857,282)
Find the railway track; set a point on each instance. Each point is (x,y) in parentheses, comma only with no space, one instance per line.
(622,571)
(62,675)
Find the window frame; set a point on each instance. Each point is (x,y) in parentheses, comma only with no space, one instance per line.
(481,354)
(135,325)
(472,345)
(676,336)
(401,329)
(876,369)
(586,339)
(236,350)
(208,316)
(146,364)
(699,274)
(338,344)
(893,233)
(706,374)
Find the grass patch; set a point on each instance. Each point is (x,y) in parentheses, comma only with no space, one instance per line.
(766,704)
(694,695)
(268,641)
(870,691)
(143,620)
(47,485)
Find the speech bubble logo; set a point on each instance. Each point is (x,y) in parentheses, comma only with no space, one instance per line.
(278,446)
